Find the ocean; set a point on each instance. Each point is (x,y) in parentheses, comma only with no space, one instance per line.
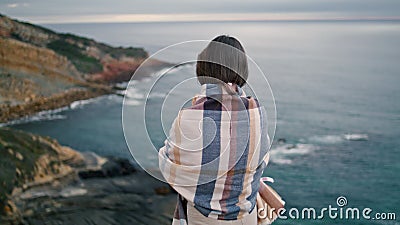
(336,87)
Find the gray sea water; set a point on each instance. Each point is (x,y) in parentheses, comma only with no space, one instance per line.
(332,81)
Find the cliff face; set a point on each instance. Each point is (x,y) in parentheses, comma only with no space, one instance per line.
(41,180)
(27,159)
(24,31)
(87,55)
(28,72)
(37,64)
(22,57)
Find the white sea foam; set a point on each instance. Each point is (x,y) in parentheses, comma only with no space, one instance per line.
(286,153)
(333,139)
(133,93)
(280,161)
(42,115)
(121,92)
(132,96)
(356,137)
(327,139)
(121,85)
(52,114)
(81,103)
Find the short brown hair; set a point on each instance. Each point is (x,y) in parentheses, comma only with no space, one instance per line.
(224,59)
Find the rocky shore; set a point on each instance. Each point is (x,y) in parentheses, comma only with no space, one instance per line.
(59,100)
(43,70)
(43,181)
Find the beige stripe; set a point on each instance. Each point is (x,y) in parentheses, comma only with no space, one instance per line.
(225,137)
(175,148)
(251,152)
(254,158)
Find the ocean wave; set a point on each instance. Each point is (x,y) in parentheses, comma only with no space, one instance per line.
(121,92)
(285,153)
(133,82)
(80,103)
(334,139)
(133,93)
(122,85)
(132,102)
(326,139)
(40,116)
(356,137)
(54,113)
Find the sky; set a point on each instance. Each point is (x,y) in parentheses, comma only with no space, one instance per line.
(83,11)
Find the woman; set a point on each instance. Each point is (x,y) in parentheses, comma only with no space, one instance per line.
(217,148)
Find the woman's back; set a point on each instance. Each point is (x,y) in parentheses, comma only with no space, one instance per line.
(214,156)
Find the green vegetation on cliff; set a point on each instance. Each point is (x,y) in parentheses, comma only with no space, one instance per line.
(38,64)
(82,62)
(130,52)
(86,54)
(19,152)
(27,158)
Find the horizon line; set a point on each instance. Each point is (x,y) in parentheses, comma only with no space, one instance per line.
(205,17)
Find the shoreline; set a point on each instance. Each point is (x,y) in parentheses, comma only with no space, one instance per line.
(9,113)
(44,72)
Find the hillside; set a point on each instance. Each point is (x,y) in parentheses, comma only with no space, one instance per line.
(39,67)
(42,180)
(30,159)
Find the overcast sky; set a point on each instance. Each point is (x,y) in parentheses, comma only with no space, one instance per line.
(57,11)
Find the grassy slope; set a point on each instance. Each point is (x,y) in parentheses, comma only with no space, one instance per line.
(36,63)
(19,152)
(74,47)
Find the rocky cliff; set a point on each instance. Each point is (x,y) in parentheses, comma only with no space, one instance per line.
(42,180)
(86,55)
(27,160)
(38,64)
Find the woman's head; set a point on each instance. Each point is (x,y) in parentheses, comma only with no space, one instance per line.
(224,59)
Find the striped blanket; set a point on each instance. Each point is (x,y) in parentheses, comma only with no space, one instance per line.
(214,155)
